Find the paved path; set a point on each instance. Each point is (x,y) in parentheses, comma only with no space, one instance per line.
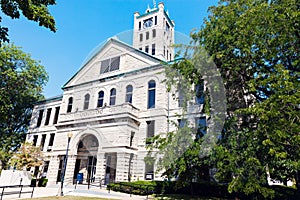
(81,190)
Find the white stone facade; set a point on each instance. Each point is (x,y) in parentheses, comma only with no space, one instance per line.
(111,105)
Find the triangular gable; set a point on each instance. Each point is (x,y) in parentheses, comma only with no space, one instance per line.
(95,68)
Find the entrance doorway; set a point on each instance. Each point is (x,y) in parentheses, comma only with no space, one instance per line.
(86,161)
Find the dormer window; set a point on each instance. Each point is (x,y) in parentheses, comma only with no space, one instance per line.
(109,65)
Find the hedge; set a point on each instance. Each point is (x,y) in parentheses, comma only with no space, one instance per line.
(202,189)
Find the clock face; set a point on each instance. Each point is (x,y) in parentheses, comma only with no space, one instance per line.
(147,23)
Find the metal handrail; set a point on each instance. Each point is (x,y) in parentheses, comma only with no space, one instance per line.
(90,182)
(3,193)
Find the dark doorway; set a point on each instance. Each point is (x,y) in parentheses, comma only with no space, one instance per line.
(76,170)
(91,168)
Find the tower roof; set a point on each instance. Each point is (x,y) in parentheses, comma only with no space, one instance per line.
(150,11)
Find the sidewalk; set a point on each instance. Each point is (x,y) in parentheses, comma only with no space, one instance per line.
(81,190)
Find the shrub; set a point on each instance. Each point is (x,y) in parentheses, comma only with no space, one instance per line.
(202,189)
(43,182)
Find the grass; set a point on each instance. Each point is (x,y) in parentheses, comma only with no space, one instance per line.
(184,197)
(164,197)
(69,198)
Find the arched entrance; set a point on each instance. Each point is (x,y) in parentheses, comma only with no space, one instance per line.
(86,161)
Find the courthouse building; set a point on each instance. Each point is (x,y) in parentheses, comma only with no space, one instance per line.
(110,107)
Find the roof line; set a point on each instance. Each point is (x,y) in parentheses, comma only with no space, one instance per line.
(122,74)
(109,40)
(58,97)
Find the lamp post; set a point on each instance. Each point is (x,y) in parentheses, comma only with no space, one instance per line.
(70,134)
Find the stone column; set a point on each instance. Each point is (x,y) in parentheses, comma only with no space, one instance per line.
(100,167)
(122,166)
(52,170)
(70,169)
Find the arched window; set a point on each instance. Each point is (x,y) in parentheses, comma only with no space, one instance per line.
(112,100)
(129,90)
(70,104)
(100,99)
(151,94)
(86,102)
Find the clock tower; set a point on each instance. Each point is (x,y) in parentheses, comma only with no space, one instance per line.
(154,33)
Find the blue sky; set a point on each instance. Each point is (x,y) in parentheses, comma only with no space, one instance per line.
(84,24)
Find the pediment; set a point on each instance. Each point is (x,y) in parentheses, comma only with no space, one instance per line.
(112,58)
(111,52)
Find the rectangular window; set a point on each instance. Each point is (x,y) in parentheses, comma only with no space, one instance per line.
(70,104)
(34,141)
(199,89)
(56,115)
(141,37)
(110,64)
(48,116)
(147,35)
(147,49)
(46,166)
(164,51)
(167,26)
(43,142)
(153,49)
(105,66)
(150,130)
(141,48)
(60,167)
(154,33)
(36,171)
(155,20)
(140,25)
(39,121)
(149,169)
(115,63)
(51,141)
(151,94)
(167,54)
(181,97)
(200,127)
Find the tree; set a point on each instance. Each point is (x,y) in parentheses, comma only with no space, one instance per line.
(177,155)
(255,44)
(183,153)
(27,156)
(22,81)
(35,10)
